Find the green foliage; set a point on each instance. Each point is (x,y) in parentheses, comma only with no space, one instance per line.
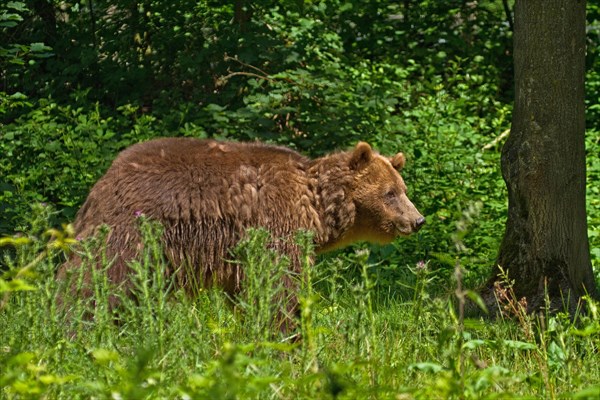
(52,154)
(14,56)
(168,345)
(593,66)
(423,77)
(593,197)
(81,81)
(264,272)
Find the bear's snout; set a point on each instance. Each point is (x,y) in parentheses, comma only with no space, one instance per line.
(419,223)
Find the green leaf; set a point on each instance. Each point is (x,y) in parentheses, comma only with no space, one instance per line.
(476,298)
(14,241)
(589,330)
(21,358)
(17,5)
(8,24)
(15,285)
(473,344)
(592,392)
(38,47)
(473,324)
(426,367)
(516,344)
(103,356)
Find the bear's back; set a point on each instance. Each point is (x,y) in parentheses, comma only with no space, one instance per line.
(186,180)
(206,153)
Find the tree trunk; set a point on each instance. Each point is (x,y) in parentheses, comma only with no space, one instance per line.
(545,247)
(46,12)
(242,14)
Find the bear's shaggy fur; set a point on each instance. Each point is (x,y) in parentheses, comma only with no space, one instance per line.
(206,193)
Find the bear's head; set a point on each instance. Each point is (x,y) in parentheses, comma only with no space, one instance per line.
(383,210)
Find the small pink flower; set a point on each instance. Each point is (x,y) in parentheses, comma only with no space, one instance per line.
(79,238)
(138,213)
(421,265)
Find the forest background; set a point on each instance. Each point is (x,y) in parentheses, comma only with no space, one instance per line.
(81,81)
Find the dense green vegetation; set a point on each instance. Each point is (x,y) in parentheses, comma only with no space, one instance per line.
(433,79)
(357,341)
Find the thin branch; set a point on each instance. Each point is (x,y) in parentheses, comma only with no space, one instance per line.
(228,58)
(496,141)
(260,75)
(223,80)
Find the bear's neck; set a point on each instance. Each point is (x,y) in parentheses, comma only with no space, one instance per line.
(333,182)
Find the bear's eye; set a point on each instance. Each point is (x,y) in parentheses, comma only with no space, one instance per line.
(390,194)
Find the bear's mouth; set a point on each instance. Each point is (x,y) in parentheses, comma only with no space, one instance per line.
(404,230)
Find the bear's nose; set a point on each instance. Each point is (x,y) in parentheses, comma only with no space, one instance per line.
(419,223)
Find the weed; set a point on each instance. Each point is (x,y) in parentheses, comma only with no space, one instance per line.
(353,342)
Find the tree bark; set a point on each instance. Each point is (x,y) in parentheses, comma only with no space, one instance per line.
(545,247)
(242,14)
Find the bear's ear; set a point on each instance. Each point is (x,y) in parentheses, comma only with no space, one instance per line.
(361,156)
(398,161)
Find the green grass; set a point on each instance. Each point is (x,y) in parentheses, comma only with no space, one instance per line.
(356,342)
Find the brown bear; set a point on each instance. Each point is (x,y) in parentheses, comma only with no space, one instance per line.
(206,193)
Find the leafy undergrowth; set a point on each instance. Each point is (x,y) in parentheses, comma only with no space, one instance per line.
(354,341)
